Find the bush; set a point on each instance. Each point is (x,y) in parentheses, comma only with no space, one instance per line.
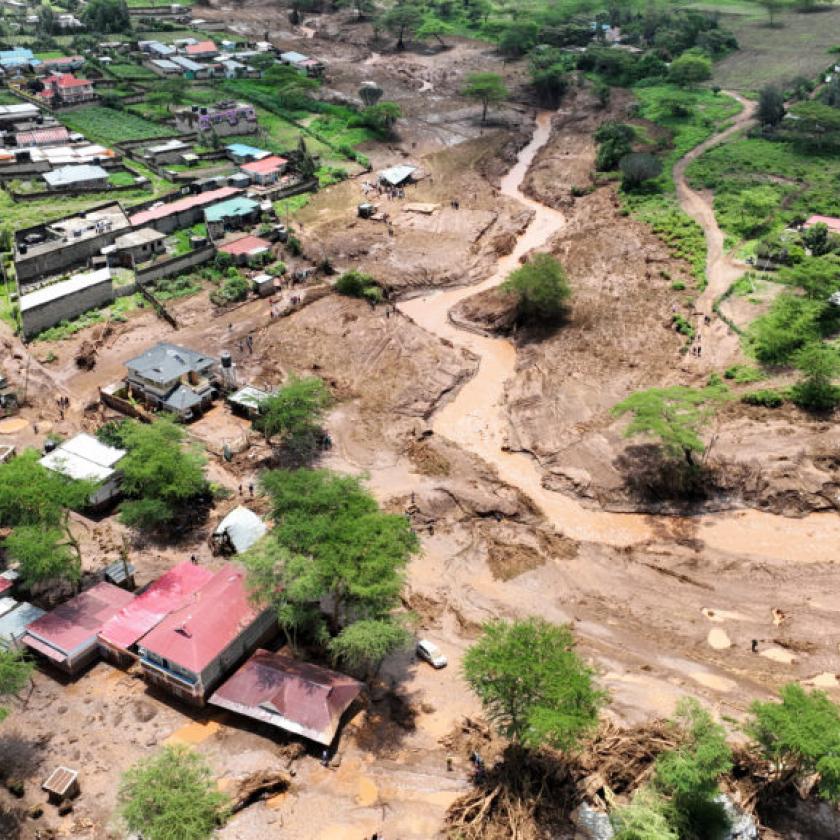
(541,288)
(820,365)
(690,69)
(637,168)
(234,289)
(766,398)
(359,285)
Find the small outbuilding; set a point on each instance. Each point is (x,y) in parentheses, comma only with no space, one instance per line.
(397,176)
(14,623)
(86,176)
(247,400)
(62,783)
(238,531)
(245,248)
(296,696)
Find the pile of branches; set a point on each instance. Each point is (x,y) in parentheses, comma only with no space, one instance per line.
(528,795)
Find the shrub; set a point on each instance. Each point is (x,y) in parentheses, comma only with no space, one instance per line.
(766,398)
(541,288)
(690,69)
(638,167)
(359,285)
(233,289)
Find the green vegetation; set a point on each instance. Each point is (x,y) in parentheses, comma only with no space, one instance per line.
(234,288)
(106,16)
(162,479)
(35,503)
(106,126)
(130,72)
(819,365)
(643,818)
(764,397)
(292,416)
(532,684)
(690,69)
(541,288)
(675,416)
(357,284)
(172,796)
(487,88)
(331,545)
(121,179)
(15,673)
(800,737)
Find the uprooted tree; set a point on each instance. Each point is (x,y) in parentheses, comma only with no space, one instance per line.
(333,566)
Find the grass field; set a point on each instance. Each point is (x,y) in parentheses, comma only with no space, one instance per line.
(798,47)
(131,72)
(107,126)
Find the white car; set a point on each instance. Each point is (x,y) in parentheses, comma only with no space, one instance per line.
(430,652)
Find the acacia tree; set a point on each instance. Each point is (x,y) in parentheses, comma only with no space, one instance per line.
(35,503)
(402,20)
(820,366)
(172,796)
(292,416)
(773,7)
(15,673)
(161,477)
(541,288)
(771,105)
(800,737)
(487,88)
(532,684)
(675,415)
(333,565)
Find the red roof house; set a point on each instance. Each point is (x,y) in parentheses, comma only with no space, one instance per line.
(244,247)
(67,88)
(119,636)
(265,171)
(292,695)
(203,49)
(191,649)
(181,207)
(66,636)
(43,137)
(831,222)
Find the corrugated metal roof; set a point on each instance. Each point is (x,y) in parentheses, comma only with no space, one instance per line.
(7,604)
(202,47)
(243,528)
(182,399)
(233,207)
(152,605)
(89,447)
(60,780)
(198,200)
(265,165)
(66,287)
(245,245)
(165,362)
(395,175)
(292,695)
(13,624)
(212,617)
(293,57)
(68,175)
(244,150)
(73,625)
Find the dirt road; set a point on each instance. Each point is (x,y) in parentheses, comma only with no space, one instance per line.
(474,419)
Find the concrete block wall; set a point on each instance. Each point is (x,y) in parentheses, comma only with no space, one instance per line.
(71,306)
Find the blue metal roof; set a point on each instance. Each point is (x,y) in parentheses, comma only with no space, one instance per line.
(244,150)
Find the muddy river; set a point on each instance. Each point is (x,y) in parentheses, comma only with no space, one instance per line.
(475,419)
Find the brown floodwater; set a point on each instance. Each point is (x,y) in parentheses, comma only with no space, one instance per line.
(475,419)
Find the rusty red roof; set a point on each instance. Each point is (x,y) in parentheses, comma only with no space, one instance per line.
(201,47)
(245,245)
(265,165)
(42,136)
(197,200)
(196,633)
(65,80)
(152,605)
(831,222)
(71,625)
(296,696)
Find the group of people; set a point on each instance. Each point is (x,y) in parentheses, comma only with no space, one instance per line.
(246,343)
(381,191)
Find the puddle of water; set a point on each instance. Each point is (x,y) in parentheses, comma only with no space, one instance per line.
(193,733)
(718,639)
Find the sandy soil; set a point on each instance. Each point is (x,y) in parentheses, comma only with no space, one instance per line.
(428,412)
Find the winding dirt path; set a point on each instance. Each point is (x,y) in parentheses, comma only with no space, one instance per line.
(475,418)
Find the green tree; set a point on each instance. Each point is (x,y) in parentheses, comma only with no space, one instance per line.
(487,88)
(434,27)
(532,684)
(288,83)
(688,775)
(46,20)
(331,546)
(172,796)
(816,239)
(105,16)
(643,818)
(771,106)
(637,168)
(773,8)
(293,415)
(357,284)
(35,503)
(402,20)
(380,118)
(757,205)
(791,323)
(15,673)
(541,288)
(800,737)
(820,366)
(690,69)
(161,477)
(363,645)
(675,415)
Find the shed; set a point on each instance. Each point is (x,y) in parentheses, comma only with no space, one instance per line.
(62,783)
(14,623)
(120,574)
(396,176)
(67,636)
(238,531)
(248,398)
(7,604)
(263,285)
(84,176)
(296,696)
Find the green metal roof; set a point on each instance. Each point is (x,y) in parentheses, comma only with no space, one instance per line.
(233,207)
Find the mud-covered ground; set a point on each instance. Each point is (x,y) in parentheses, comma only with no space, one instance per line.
(665,613)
